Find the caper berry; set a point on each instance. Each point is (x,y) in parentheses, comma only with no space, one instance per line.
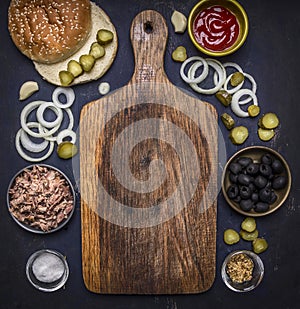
(231,237)
(248,224)
(259,245)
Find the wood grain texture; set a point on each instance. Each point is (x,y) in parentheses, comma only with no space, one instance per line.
(136,251)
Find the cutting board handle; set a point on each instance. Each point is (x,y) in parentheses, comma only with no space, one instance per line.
(149,34)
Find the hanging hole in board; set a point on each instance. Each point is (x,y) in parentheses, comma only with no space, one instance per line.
(148,27)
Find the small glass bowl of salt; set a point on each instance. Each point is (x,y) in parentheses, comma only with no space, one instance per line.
(47,270)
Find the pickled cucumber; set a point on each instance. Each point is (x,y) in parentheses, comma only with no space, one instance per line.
(224,97)
(228,121)
(238,135)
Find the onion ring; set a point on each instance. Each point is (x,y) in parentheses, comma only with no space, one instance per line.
(221,76)
(69,94)
(28,144)
(70,126)
(49,124)
(66,133)
(235,104)
(27,157)
(254,88)
(201,77)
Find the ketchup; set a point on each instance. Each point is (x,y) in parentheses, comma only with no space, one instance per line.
(216,28)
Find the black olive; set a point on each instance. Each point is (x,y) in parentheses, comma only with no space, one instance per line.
(233,191)
(233,177)
(235,168)
(244,161)
(244,179)
(277,167)
(265,195)
(246,205)
(260,181)
(261,207)
(279,182)
(245,192)
(273,198)
(265,170)
(252,168)
(267,159)
(237,199)
(255,197)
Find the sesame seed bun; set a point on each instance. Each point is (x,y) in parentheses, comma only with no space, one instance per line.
(49,31)
(99,20)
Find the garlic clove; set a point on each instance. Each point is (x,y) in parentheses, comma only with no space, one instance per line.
(27,89)
(179,22)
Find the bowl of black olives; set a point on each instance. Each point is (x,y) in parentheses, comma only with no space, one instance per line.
(256,181)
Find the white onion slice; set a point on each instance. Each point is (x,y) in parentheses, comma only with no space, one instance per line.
(221,76)
(66,133)
(27,157)
(234,65)
(40,115)
(69,94)
(70,126)
(254,88)
(28,144)
(235,103)
(194,79)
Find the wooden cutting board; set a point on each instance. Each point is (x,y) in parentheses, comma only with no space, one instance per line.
(148,180)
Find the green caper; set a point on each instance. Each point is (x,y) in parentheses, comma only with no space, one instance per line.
(259,245)
(249,224)
(253,110)
(236,78)
(96,50)
(66,150)
(224,97)
(265,135)
(228,121)
(75,68)
(231,237)
(269,121)
(179,54)
(249,236)
(87,62)
(238,135)
(104,36)
(66,78)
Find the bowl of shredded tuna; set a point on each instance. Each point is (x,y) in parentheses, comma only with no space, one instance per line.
(41,198)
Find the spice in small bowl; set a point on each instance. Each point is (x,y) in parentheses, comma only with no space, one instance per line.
(47,270)
(242,270)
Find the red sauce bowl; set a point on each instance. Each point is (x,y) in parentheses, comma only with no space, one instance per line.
(232,10)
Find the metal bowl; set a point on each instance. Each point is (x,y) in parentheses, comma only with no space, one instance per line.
(234,7)
(36,281)
(255,152)
(27,226)
(257,275)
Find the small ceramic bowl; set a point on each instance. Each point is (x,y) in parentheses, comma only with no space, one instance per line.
(255,153)
(236,9)
(257,274)
(47,270)
(25,223)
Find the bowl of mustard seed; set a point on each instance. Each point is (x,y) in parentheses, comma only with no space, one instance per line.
(242,271)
